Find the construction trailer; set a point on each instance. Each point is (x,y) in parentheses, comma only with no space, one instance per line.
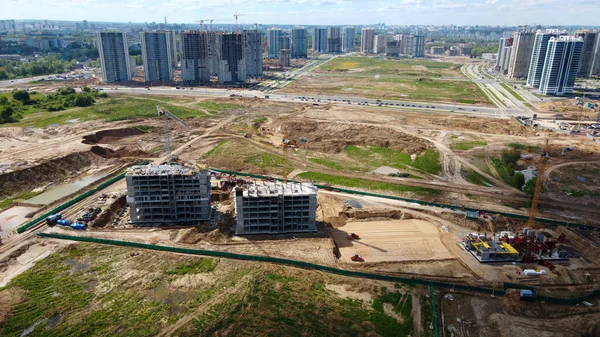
(168,195)
(275,208)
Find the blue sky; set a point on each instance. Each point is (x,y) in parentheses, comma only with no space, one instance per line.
(314,12)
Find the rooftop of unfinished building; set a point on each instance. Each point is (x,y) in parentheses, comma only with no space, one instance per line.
(271,189)
(161,170)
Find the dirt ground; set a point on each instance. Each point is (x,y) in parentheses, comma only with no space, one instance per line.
(389,241)
(568,109)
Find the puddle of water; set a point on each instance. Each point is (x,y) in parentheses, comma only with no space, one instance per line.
(13,217)
(77,266)
(54,320)
(64,190)
(173,298)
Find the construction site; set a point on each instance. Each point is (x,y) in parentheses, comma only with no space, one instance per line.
(473,204)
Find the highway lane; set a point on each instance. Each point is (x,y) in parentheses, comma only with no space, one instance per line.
(483,111)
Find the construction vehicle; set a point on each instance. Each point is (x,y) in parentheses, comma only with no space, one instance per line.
(357,258)
(167,137)
(247,135)
(353,236)
(289,143)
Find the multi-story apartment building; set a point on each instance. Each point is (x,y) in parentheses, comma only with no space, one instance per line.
(379,44)
(561,64)
(299,43)
(167,195)
(114,57)
(197,56)
(348,38)
(157,55)
(367,40)
(538,56)
(274,39)
(334,40)
(319,40)
(588,51)
(520,57)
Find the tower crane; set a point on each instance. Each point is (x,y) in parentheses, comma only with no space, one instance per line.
(167,137)
(237,31)
(201,24)
(536,198)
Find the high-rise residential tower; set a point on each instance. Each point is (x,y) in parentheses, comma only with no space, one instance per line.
(319,40)
(253,53)
(418,45)
(561,64)
(114,57)
(379,44)
(157,56)
(520,56)
(367,40)
(274,40)
(590,39)
(348,37)
(334,40)
(538,56)
(299,43)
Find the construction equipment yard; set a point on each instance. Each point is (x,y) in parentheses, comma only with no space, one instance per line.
(410,184)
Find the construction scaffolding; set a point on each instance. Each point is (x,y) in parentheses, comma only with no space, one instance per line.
(275,208)
(167,195)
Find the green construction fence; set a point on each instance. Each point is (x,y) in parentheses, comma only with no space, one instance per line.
(308,265)
(73,201)
(422,202)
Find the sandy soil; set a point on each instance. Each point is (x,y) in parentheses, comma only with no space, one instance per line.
(388,241)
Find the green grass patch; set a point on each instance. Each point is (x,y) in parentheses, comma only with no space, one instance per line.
(428,161)
(467,145)
(519,146)
(506,172)
(374,157)
(8,202)
(512,92)
(201,265)
(329,163)
(476,178)
(113,109)
(216,108)
(365,184)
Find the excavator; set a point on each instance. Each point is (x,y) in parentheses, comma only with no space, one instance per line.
(357,258)
(353,236)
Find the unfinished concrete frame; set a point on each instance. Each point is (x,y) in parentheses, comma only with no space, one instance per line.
(167,195)
(275,208)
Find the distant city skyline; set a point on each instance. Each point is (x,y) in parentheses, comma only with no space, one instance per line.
(314,12)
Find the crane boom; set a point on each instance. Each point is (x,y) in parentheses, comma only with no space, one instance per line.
(167,136)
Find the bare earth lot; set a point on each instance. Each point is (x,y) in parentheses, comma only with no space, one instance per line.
(392,241)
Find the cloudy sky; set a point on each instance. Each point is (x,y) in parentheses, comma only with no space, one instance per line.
(314,12)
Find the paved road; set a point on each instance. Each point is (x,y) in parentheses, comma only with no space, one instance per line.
(484,111)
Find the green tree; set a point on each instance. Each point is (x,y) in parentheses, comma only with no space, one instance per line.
(85,88)
(21,95)
(83,100)
(3,74)
(64,91)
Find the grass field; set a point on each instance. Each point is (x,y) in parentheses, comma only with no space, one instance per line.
(239,155)
(365,184)
(117,108)
(467,145)
(95,290)
(367,158)
(8,203)
(476,178)
(419,80)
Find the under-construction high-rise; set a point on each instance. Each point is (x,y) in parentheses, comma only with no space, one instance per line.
(197,55)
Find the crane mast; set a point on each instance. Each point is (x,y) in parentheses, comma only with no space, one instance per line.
(167,115)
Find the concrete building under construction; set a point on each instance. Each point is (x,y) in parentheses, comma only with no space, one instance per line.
(197,56)
(167,195)
(275,208)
